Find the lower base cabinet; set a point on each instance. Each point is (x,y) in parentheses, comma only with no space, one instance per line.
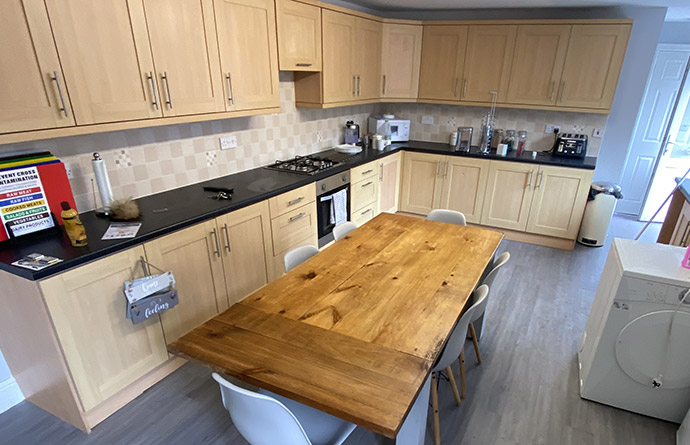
(508,195)
(421,182)
(464,186)
(390,171)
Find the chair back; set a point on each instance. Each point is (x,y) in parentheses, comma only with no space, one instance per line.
(298,255)
(447,216)
(341,230)
(456,342)
(489,281)
(260,419)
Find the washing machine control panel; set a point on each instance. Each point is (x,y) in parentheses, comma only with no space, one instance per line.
(635,289)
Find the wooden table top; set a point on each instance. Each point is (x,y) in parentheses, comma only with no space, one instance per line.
(355,330)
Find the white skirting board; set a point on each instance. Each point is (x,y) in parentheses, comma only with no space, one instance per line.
(10,394)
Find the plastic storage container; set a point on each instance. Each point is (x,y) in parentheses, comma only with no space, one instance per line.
(601,204)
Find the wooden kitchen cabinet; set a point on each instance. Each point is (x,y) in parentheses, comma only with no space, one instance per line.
(194,256)
(299,36)
(508,197)
(185,51)
(442,62)
(560,195)
(364,193)
(105,55)
(401,53)
(538,64)
(248,53)
(245,238)
(32,78)
(368,63)
(488,60)
(390,169)
(464,186)
(592,65)
(339,56)
(681,232)
(421,182)
(104,351)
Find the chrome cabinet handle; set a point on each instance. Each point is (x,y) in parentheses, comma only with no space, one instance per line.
(384,84)
(359,85)
(540,176)
(365,212)
(227,237)
(367,184)
(529,180)
(464,88)
(354,86)
(447,163)
(560,98)
(215,237)
(154,94)
(438,168)
(164,76)
(381,173)
(367,172)
(303,64)
(296,217)
(295,201)
(231,96)
(455,90)
(552,91)
(56,78)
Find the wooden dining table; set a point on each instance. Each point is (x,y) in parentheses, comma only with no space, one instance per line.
(355,330)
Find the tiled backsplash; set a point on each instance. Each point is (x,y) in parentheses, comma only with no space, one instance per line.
(151,160)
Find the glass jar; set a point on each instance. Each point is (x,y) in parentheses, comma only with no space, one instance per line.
(510,139)
(497,138)
(522,142)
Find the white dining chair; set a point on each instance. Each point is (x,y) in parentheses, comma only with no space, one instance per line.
(341,230)
(447,216)
(297,256)
(478,317)
(455,349)
(264,418)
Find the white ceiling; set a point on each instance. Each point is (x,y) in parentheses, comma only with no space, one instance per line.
(678,9)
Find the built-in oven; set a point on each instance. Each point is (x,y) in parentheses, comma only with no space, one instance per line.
(332,204)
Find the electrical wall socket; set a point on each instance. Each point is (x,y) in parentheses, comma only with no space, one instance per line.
(598,133)
(69,170)
(551,129)
(228,142)
(427,119)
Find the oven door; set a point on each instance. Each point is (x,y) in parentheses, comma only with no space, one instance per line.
(324,212)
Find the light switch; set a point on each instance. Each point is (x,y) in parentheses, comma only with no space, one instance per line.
(427,119)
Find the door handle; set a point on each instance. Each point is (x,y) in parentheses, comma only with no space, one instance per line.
(296,217)
(367,184)
(354,86)
(164,76)
(303,64)
(540,176)
(455,90)
(365,212)
(552,91)
(447,164)
(381,173)
(367,172)
(215,237)
(56,79)
(464,88)
(227,237)
(529,180)
(154,93)
(231,96)
(295,201)
(560,97)
(384,84)
(438,168)
(359,85)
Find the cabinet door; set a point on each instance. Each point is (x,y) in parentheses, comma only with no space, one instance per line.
(592,65)
(249,65)
(30,90)
(299,36)
(464,186)
(389,183)
(509,192)
(368,66)
(421,182)
(681,232)
(560,195)
(194,256)
(443,58)
(487,62)
(339,56)
(401,56)
(538,64)
(185,51)
(105,54)
(105,352)
(246,244)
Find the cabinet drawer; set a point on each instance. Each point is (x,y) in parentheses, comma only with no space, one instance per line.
(292,227)
(363,214)
(291,200)
(366,171)
(363,193)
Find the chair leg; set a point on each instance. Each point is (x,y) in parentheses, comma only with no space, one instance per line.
(473,333)
(453,386)
(463,389)
(434,405)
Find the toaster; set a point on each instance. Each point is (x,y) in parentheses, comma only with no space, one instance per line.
(570,145)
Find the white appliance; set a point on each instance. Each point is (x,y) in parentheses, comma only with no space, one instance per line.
(400,128)
(598,213)
(635,352)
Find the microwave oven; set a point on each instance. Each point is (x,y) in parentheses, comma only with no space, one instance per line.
(400,128)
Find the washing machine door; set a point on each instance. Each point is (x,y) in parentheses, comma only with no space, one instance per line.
(643,350)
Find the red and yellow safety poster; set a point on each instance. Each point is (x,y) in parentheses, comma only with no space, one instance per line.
(23,204)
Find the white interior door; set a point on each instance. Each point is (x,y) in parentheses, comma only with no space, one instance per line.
(663,85)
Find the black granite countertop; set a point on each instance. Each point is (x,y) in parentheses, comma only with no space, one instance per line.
(175,209)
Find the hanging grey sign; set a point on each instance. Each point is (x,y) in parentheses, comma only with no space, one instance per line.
(152,305)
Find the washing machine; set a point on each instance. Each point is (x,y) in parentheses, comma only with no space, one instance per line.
(635,351)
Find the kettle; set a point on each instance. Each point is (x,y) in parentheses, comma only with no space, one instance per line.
(351,133)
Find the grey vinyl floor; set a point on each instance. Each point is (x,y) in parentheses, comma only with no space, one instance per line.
(524,392)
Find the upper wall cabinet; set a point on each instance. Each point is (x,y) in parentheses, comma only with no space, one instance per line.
(32,91)
(443,57)
(538,64)
(249,65)
(368,63)
(106,59)
(592,65)
(339,56)
(487,62)
(299,36)
(401,53)
(185,53)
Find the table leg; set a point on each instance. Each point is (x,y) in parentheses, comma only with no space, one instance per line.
(413,430)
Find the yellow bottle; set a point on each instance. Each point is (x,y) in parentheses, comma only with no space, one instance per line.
(73,226)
